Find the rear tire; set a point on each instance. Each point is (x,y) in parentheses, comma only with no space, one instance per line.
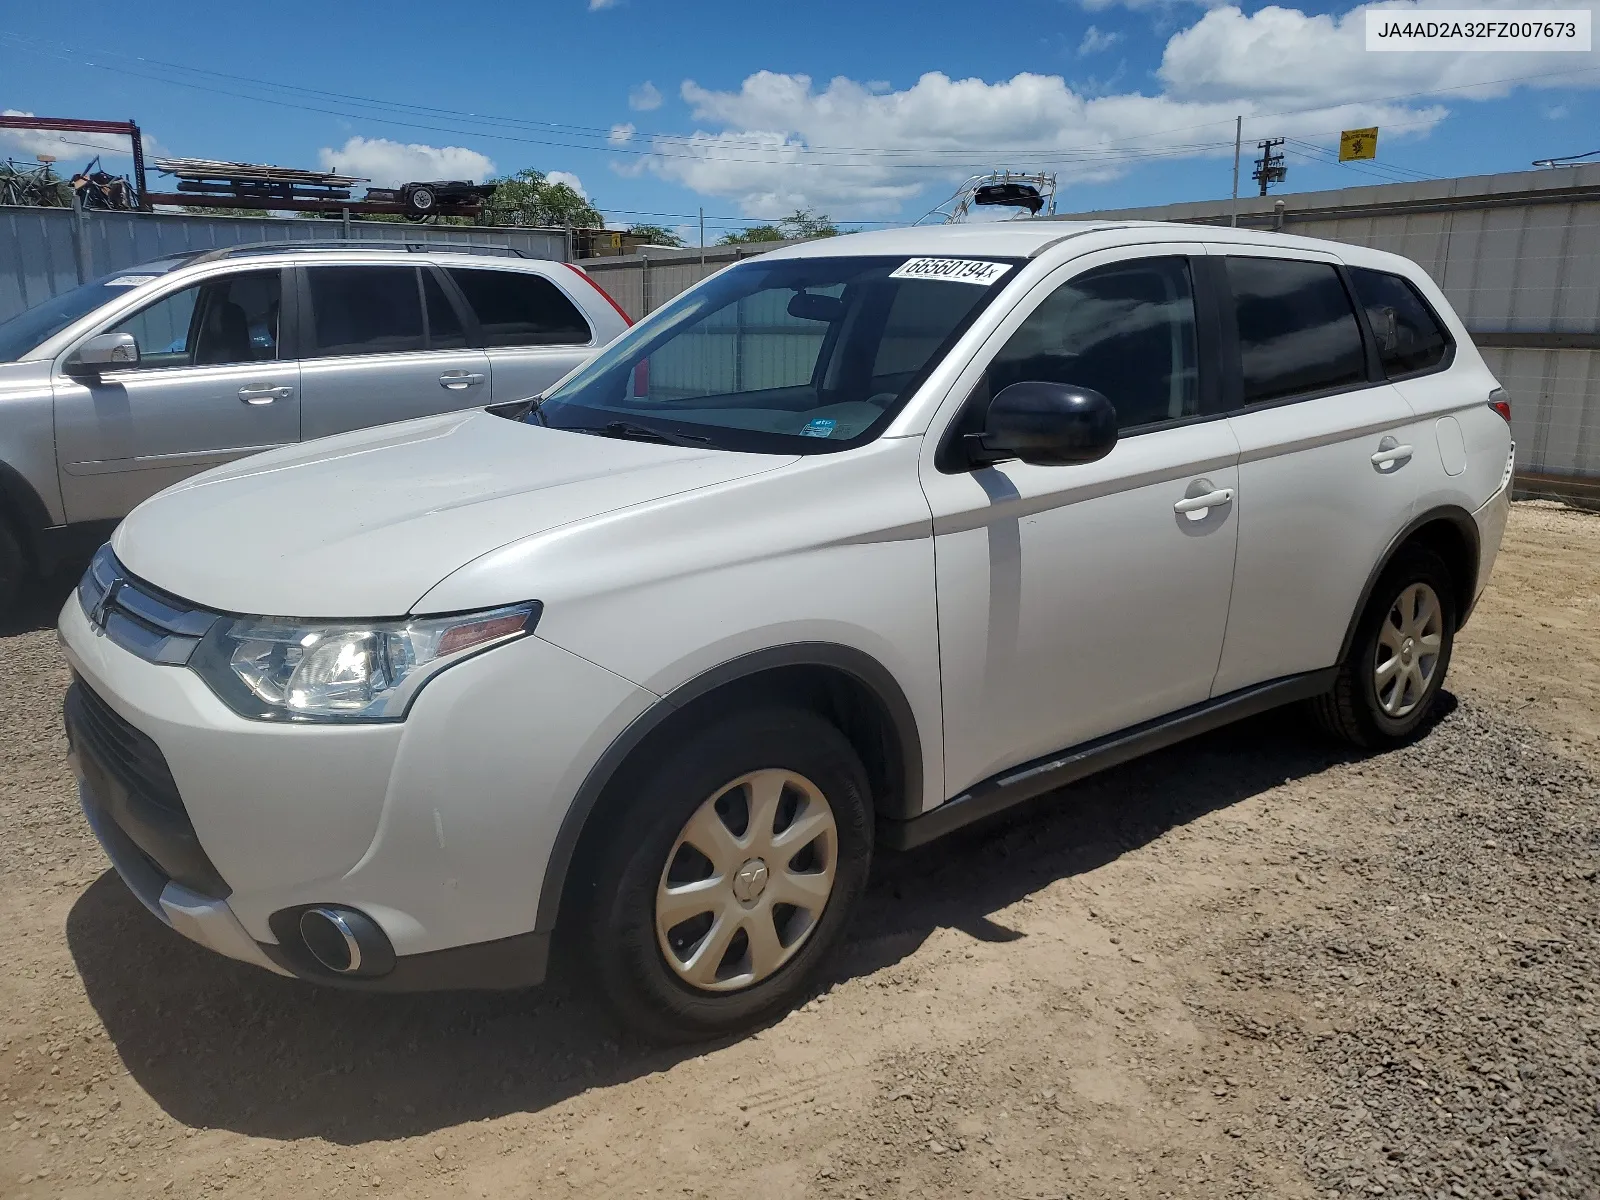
(676,973)
(1388,686)
(13,569)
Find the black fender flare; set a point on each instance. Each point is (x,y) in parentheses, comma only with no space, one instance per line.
(857,664)
(1463,523)
(22,507)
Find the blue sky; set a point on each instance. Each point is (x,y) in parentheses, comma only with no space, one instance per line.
(865,112)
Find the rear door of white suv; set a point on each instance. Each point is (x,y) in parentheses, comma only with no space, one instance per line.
(1327,464)
(1079,600)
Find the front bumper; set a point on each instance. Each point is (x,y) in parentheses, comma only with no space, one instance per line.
(438,827)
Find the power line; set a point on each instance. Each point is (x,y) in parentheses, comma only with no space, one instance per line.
(1113,153)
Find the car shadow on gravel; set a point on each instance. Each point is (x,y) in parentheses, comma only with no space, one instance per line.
(41,600)
(222,1045)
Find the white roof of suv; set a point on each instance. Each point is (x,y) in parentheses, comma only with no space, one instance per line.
(1028,238)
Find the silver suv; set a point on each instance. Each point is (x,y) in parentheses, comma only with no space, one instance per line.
(117,389)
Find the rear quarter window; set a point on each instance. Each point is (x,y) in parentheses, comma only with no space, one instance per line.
(518,308)
(1410,337)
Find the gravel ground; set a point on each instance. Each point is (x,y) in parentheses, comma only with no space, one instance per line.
(1252,965)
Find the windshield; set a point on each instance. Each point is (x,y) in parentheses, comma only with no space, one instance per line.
(42,322)
(799,355)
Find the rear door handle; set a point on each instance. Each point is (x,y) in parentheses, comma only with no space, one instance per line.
(261,393)
(458,381)
(1199,504)
(1391,454)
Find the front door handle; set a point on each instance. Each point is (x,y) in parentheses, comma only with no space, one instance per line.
(1196,506)
(261,393)
(458,381)
(1390,453)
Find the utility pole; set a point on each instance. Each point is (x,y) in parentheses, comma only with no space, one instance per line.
(702,236)
(1238,133)
(1270,167)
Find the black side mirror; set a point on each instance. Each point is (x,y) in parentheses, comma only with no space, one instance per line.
(1049,424)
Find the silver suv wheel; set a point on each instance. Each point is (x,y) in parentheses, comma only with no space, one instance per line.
(746,880)
(1408,649)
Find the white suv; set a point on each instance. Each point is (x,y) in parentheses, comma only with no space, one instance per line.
(848,546)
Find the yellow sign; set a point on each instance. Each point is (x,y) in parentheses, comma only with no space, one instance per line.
(1358,143)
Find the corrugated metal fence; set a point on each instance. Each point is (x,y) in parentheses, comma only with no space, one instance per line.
(642,283)
(45,251)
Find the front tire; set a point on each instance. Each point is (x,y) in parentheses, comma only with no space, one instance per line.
(1388,686)
(729,876)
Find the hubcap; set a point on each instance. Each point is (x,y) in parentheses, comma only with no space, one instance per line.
(747,880)
(1408,649)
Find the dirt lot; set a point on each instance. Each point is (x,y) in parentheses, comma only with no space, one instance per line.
(1250,966)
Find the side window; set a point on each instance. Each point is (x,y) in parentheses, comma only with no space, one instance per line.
(229,320)
(1297,330)
(517,308)
(1409,336)
(364,310)
(1126,330)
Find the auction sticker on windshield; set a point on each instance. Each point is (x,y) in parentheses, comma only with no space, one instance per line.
(956,270)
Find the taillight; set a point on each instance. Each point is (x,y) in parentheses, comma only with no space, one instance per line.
(1501,403)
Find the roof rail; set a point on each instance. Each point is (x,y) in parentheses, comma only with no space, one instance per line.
(351,244)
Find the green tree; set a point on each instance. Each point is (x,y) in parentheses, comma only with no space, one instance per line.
(655,235)
(529,198)
(752,233)
(802,223)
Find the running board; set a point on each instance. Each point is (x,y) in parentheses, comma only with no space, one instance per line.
(1031,779)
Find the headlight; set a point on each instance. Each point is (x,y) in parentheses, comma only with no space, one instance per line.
(272,668)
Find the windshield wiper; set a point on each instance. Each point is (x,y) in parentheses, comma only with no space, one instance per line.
(641,433)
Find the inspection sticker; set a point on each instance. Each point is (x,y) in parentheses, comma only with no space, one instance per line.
(957,270)
(130,280)
(821,427)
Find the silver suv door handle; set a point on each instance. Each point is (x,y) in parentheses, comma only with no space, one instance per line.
(1390,455)
(1191,504)
(459,380)
(261,393)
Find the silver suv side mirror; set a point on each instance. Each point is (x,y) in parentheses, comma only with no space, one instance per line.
(105,351)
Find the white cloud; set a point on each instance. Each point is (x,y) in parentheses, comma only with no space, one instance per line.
(779,141)
(389,164)
(621,135)
(1094,40)
(68,147)
(597,5)
(645,98)
(568,178)
(1557,112)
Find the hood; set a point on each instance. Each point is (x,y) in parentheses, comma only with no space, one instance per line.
(363,524)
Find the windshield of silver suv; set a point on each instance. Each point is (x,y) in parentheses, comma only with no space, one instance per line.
(37,325)
(799,355)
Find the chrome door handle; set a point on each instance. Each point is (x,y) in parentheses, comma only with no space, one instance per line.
(1194,504)
(458,380)
(264,393)
(1389,455)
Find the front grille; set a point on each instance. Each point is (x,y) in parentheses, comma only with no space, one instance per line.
(133,758)
(129,784)
(140,618)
